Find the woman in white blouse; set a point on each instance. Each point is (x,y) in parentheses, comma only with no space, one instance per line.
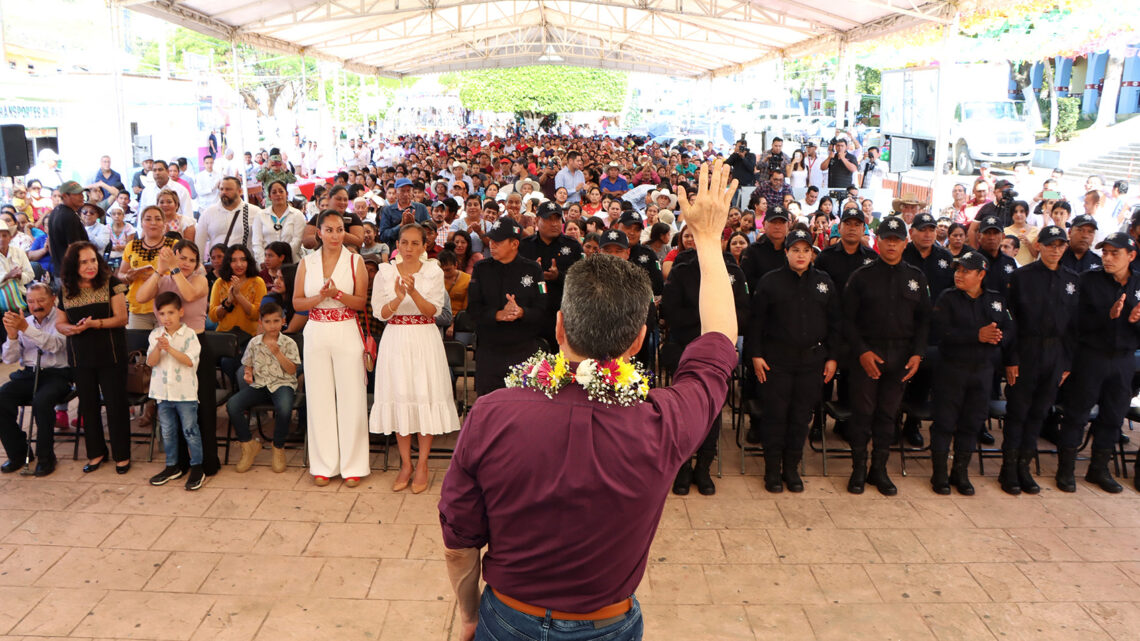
(281,221)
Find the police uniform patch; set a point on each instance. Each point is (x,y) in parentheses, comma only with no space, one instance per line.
(527,280)
(565,251)
(822,287)
(868,261)
(996,305)
(644,258)
(1070,289)
(1009,269)
(942,263)
(912,285)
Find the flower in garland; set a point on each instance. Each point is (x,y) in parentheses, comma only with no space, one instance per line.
(616,382)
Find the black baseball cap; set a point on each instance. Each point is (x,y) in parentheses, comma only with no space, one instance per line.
(1051,234)
(776,212)
(614,237)
(549,209)
(631,218)
(504,228)
(988,223)
(852,213)
(1119,240)
(924,221)
(798,236)
(972,260)
(892,227)
(1081,220)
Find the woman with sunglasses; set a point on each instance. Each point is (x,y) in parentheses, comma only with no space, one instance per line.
(281,222)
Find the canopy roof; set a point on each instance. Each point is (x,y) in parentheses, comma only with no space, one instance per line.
(416,37)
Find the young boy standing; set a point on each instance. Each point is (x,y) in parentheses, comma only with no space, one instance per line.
(173,357)
(271,361)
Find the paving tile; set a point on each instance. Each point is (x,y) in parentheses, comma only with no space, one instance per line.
(145,615)
(108,569)
(672,583)
(1043,544)
(411,580)
(11,519)
(1077,513)
(309,619)
(733,514)
(419,509)
(259,477)
(288,538)
(970,545)
(361,540)
(687,546)
(170,500)
(59,612)
(868,621)
(697,622)
(137,532)
(24,564)
(675,515)
(954,622)
(191,534)
(256,574)
(1004,582)
(762,584)
(1040,622)
(64,528)
(823,546)
(898,546)
(1103,544)
(18,601)
(779,623)
(845,583)
(233,618)
(805,514)
(1081,581)
(1117,512)
(1009,514)
(235,504)
(427,620)
(40,495)
(1119,620)
(100,498)
(346,578)
(427,543)
(183,572)
(748,546)
(925,583)
(376,507)
(325,507)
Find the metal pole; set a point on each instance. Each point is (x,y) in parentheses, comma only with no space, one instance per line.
(944,113)
(121,131)
(240,104)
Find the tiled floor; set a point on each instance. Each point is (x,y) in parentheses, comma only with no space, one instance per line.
(271,557)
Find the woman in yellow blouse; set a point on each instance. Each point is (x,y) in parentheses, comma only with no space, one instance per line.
(140,259)
(235,299)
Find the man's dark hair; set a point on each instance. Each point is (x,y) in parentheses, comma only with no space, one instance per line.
(167,298)
(1015,239)
(813,189)
(777,139)
(572,155)
(1121,186)
(872,148)
(183,162)
(160,162)
(605,302)
(343,175)
(1059,171)
(235,180)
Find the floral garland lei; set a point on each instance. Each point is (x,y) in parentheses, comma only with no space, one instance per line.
(614,382)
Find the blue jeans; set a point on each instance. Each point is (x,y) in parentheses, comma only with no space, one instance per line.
(248,396)
(500,622)
(170,415)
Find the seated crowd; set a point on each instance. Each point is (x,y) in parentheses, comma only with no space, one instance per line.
(349,295)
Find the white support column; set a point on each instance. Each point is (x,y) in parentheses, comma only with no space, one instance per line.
(945,111)
(841,84)
(239,153)
(126,146)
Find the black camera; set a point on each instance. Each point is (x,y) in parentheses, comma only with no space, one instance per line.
(775,163)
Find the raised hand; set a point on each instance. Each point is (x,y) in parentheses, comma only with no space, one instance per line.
(165,259)
(708,213)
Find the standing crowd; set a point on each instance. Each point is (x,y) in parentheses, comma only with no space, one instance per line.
(348,286)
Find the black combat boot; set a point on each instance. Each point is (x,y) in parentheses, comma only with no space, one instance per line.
(858,472)
(877,475)
(1098,472)
(960,473)
(772,480)
(1066,464)
(791,473)
(1024,475)
(940,479)
(684,479)
(1007,477)
(701,476)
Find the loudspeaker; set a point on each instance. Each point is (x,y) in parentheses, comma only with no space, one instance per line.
(15,159)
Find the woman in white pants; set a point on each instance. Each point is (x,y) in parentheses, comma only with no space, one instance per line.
(334,355)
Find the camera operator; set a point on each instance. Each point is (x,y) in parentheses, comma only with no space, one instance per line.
(1001,207)
(743,163)
(774,158)
(871,171)
(840,166)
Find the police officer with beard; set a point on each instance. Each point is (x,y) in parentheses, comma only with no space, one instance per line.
(1108,334)
(886,310)
(791,342)
(972,327)
(938,264)
(507,302)
(1043,300)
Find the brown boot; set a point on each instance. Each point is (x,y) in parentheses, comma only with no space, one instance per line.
(249,450)
(278,459)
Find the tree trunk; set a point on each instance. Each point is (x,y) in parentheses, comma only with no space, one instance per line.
(1106,113)
(1052,101)
(1024,78)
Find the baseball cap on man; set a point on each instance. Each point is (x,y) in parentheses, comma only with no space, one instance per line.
(403,182)
(1082,220)
(505,228)
(549,209)
(615,237)
(1119,240)
(988,223)
(852,213)
(924,221)
(1051,234)
(71,187)
(631,218)
(776,212)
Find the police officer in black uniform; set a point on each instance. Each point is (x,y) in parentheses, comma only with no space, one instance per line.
(767,253)
(555,253)
(791,343)
(1108,334)
(1080,257)
(938,264)
(507,302)
(631,224)
(1043,300)
(972,327)
(615,242)
(886,310)
(680,310)
(1001,267)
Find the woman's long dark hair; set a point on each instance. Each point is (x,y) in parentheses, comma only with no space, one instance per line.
(70,269)
(466,258)
(251,269)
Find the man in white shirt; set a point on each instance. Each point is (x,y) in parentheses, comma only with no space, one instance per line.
(571,177)
(231,221)
(816,176)
(231,167)
(161,175)
(207,182)
(363,155)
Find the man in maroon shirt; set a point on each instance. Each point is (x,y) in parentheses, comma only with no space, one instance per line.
(567,493)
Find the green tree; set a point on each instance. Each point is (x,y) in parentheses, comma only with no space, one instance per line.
(542,89)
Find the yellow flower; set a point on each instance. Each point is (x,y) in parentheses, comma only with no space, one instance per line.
(561,367)
(626,372)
